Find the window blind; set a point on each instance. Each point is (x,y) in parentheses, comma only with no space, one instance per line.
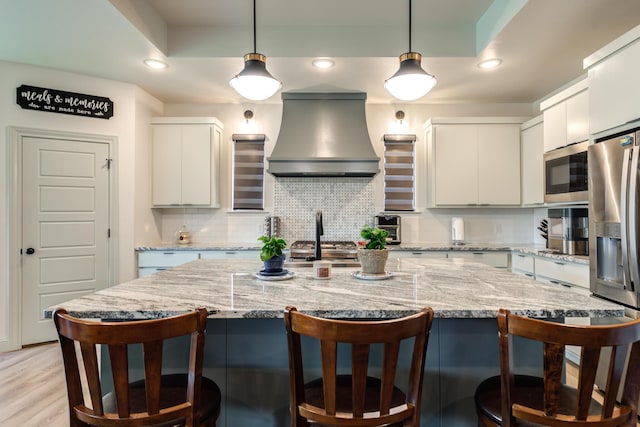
(399,172)
(248,171)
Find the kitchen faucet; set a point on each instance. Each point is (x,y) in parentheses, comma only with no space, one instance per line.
(319,232)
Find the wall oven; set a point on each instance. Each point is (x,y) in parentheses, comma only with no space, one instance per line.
(566,174)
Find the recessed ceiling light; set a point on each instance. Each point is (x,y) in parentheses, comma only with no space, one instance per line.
(156,64)
(490,63)
(323,63)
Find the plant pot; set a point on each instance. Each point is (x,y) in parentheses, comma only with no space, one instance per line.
(275,264)
(373,261)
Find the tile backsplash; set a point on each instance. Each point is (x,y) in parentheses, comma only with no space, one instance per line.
(346,203)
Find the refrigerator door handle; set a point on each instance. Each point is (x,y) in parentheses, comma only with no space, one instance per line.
(632,223)
(624,217)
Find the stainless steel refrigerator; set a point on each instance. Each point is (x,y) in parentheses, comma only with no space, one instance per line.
(614,185)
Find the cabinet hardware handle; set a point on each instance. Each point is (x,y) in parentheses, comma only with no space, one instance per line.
(416,253)
(477,253)
(559,263)
(528,274)
(230,252)
(168,253)
(522,256)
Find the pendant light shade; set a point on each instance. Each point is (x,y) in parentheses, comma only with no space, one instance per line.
(410,82)
(254,82)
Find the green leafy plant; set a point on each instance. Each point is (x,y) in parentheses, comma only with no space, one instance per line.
(272,247)
(376,238)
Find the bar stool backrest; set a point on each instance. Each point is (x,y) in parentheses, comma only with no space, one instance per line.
(359,335)
(116,336)
(623,340)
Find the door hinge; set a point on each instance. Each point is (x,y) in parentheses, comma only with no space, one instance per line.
(108,160)
(108,233)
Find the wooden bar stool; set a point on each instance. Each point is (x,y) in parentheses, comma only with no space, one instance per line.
(523,400)
(354,398)
(159,400)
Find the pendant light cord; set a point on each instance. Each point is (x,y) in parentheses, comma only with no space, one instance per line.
(409,25)
(254,26)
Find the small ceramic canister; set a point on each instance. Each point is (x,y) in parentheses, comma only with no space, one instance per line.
(322,270)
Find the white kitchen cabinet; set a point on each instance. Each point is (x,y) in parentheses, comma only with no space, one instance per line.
(523,265)
(566,117)
(614,83)
(417,254)
(495,259)
(532,162)
(150,262)
(231,254)
(563,272)
(571,275)
(474,161)
(186,156)
(551,270)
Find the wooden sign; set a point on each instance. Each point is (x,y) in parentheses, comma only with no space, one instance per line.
(58,101)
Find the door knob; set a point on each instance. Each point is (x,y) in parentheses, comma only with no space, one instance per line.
(30,251)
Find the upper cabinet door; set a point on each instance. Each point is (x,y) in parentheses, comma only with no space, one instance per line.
(456,165)
(532,164)
(499,165)
(614,90)
(555,127)
(167,166)
(578,118)
(196,165)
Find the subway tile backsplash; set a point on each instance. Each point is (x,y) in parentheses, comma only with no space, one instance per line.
(346,203)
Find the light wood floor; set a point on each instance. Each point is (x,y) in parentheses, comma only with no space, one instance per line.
(33,392)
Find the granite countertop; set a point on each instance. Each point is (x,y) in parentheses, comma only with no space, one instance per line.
(454,288)
(538,250)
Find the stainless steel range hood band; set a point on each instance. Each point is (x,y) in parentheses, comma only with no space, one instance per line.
(323,167)
(324,135)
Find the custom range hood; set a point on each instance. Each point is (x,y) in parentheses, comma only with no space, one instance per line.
(323,134)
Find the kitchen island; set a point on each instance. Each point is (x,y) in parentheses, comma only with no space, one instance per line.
(246,344)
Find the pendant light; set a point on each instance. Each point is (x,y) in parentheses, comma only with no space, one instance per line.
(254,82)
(410,82)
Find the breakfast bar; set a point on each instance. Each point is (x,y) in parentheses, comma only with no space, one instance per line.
(246,352)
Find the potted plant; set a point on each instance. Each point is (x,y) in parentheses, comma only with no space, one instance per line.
(373,253)
(271,253)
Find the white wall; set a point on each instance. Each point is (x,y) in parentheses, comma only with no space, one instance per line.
(131,112)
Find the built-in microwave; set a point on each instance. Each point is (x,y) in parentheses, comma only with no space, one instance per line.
(566,174)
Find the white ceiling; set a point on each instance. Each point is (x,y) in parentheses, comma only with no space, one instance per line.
(542,43)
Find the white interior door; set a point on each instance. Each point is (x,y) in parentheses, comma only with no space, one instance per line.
(65,226)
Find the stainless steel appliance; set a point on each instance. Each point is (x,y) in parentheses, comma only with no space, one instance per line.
(613,218)
(304,250)
(391,223)
(566,174)
(568,231)
(323,134)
